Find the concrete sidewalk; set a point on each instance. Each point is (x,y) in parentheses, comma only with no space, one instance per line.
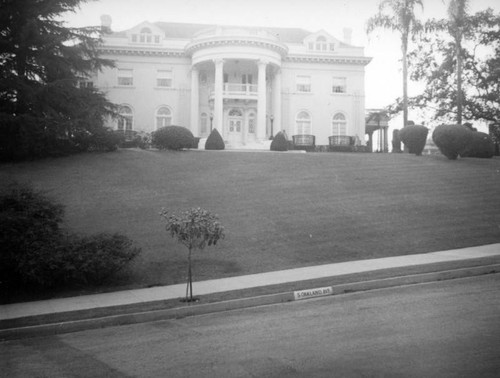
(356,270)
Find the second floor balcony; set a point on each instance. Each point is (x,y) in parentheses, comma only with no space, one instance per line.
(237,91)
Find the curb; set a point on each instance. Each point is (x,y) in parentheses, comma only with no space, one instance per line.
(124,315)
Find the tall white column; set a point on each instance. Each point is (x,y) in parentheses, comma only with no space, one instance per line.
(261,101)
(195,101)
(277,102)
(218,89)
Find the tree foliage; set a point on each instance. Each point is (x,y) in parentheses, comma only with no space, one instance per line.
(433,61)
(399,16)
(194,228)
(42,63)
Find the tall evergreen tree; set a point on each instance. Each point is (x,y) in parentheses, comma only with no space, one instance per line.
(42,63)
(398,15)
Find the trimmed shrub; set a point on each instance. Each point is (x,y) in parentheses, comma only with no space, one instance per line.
(451,139)
(455,140)
(279,142)
(35,252)
(172,138)
(140,139)
(414,138)
(479,145)
(214,141)
(105,140)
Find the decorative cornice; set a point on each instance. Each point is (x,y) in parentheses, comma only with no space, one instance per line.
(122,50)
(356,60)
(216,42)
(186,53)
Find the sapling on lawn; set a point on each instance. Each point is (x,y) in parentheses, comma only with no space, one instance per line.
(195,228)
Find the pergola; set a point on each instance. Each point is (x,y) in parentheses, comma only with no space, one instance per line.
(377,119)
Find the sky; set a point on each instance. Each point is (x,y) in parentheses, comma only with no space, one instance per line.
(383,78)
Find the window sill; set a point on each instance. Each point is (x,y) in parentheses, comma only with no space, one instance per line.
(124,86)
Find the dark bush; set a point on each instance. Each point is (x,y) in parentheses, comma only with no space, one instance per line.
(36,252)
(414,138)
(140,139)
(451,139)
(29,221)
(479,145)
(105,140)
(279,143)
(455,140)
(172,138)
(214,141)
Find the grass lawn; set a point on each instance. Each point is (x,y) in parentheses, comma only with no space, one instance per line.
(280,210)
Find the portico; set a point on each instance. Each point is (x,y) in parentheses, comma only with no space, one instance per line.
(236,77)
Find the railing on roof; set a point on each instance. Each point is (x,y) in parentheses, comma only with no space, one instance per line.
(231,31)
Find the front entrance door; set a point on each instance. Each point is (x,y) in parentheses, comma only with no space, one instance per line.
(235,126)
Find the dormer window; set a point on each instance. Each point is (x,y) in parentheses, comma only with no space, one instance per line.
(145,35)
(321,44)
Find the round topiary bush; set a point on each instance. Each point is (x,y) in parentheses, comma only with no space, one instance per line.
(414,137)
(479,145)
(451,139)
(279,142)
(214,141)
(172,138)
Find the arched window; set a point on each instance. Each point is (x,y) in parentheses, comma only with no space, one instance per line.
(125,121)
(203,123)
(235,113)
(339,124)
(303,122)
(163,117)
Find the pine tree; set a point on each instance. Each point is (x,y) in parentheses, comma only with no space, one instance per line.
(42,63)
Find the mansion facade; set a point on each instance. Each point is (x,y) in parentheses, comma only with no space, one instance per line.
(247,82)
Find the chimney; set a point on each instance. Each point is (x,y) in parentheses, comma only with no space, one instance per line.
(347,35)
(106,23)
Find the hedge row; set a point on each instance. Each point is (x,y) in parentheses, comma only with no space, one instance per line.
(459,140)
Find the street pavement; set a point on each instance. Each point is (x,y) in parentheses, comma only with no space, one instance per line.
(132,306)
(438,329)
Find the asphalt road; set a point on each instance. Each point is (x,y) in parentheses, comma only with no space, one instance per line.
(442,329)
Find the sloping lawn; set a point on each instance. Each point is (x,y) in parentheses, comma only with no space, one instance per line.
(280,210)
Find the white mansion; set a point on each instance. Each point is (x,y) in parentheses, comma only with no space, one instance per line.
(247,82)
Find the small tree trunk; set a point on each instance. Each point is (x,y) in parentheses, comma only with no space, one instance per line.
(189,286)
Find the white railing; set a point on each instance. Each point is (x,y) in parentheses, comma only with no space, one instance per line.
(236,90)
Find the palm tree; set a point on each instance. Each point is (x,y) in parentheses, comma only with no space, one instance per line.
(398,15)
(457,12)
